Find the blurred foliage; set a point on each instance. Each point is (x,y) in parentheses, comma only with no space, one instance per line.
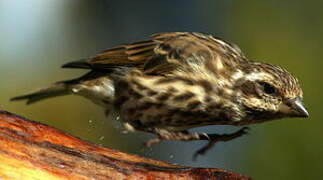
(38,36)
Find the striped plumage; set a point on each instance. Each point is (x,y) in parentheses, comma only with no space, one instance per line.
(176,81)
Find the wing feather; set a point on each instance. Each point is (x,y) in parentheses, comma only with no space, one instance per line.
(163,52)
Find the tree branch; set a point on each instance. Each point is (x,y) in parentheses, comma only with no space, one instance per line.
(30,150)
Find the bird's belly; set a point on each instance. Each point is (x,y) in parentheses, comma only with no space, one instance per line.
(148,115)
(179,104)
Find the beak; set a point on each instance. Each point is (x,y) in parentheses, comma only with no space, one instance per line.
(296,108)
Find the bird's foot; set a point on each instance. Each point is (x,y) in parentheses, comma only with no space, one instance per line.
(186,136)
(214,138)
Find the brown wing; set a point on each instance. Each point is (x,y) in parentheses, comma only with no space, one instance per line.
(164,52)
(135,54)
(125,55)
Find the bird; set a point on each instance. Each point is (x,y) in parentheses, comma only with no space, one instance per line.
(176,81)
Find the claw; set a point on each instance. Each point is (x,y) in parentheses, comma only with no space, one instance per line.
(214,138)
(203,150)
(206,136)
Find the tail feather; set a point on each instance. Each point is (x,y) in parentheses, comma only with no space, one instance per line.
(58,89)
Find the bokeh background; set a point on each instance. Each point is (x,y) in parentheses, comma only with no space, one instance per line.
(37,36)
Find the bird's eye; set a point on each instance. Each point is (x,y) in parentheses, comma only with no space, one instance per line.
(268,88)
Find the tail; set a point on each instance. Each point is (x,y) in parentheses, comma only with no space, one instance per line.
(60,88)
(57,89)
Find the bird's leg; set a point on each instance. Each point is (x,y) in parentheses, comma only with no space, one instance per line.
(164,134)
(214,138)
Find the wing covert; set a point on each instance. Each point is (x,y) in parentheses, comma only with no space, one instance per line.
(163,53)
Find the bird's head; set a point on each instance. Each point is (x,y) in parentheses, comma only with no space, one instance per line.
(269,92)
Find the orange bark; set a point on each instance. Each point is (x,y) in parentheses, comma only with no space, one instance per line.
(30,150)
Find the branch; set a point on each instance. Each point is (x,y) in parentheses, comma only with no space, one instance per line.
(30,150)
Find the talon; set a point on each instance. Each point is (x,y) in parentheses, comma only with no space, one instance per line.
(206,136)
(203,150)
(195,155)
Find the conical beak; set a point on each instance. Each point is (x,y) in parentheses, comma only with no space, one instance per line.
(296,108)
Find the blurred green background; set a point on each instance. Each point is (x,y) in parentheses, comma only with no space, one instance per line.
(37,36)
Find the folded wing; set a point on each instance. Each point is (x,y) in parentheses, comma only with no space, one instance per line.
(163,53)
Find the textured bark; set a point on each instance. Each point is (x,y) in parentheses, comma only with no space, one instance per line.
(30,150)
